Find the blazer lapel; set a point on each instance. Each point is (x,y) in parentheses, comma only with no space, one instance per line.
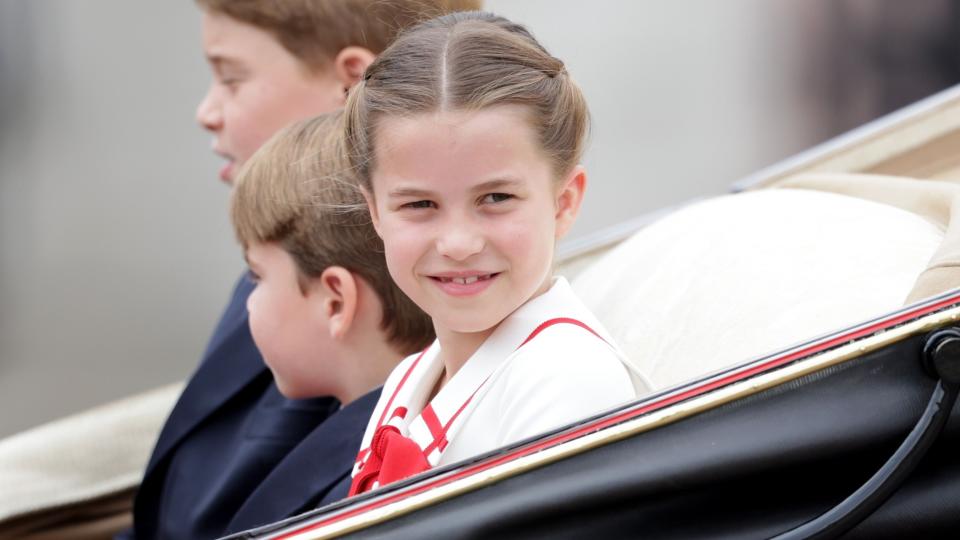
(306,476)
(231,362)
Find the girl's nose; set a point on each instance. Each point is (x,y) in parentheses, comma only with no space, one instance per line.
(460,242)
(208,111)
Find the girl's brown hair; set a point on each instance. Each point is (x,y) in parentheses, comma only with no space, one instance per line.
(467,61)
(295,191)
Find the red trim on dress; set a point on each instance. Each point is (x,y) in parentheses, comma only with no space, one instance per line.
(396,390)
(368,474)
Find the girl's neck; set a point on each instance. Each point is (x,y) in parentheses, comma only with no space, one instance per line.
(455,349)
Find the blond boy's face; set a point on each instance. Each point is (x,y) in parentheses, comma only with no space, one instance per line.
(286,327)
(258,87)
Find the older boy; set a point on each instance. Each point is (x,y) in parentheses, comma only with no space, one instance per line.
(273,63)
(324,313)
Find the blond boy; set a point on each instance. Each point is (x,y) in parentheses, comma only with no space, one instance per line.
(324,313)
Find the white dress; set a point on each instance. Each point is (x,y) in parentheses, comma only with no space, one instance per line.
(548,364)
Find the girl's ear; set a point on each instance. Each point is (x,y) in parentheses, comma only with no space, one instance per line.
(569,198)
(350,63)
(372,207)
(339,296)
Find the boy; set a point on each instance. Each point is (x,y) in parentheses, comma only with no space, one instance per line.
(324,313)
(273,63)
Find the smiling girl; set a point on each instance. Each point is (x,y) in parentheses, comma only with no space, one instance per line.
(467,136)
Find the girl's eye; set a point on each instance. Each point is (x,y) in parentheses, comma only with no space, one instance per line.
(419,204)
(493,198)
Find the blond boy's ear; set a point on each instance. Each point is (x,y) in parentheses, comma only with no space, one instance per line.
(350,63)
(569,197)
(338,295)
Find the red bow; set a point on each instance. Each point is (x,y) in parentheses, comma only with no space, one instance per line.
(392,457)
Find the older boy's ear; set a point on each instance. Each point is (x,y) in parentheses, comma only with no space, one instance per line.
(339,299)
(569,198)
(350,63)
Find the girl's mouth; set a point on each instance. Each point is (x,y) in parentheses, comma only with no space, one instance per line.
(465,285)
(465,280)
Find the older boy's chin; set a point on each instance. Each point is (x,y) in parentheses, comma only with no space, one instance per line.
(227,172)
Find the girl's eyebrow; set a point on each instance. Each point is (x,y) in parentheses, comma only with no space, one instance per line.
(409,192)
(490,185)
(493,185)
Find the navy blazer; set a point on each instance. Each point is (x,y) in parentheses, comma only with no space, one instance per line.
(227,432)
(315,473)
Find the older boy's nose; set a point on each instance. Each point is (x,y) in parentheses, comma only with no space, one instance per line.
(208,112)
(459,242)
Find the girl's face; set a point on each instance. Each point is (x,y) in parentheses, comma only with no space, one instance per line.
(469,210)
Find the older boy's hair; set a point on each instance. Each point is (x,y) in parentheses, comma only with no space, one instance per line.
(296,192)
(314,31)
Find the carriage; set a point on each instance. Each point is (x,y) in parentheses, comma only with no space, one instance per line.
(803,334)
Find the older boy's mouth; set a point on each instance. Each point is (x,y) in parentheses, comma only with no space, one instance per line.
(228,168)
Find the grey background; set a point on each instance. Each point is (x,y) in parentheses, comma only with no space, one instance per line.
(116,255)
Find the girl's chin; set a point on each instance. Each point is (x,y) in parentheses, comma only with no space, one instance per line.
(466,327)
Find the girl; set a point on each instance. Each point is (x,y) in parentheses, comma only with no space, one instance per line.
(466,135)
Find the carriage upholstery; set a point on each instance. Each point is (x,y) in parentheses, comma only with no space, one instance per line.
(936,201)
(731,278)
(74,477)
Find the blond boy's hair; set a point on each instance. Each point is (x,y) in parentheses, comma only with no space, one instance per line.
(296,192)
(314,31)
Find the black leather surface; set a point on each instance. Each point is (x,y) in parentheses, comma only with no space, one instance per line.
(751,469)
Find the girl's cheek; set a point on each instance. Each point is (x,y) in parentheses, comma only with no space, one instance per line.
(401,238)
(526,231)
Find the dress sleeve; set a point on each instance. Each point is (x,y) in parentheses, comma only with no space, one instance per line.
(564,375)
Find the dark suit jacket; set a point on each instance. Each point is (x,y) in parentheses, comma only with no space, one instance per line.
(315,473)
(227,432)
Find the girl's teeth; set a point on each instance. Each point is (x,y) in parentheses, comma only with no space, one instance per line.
(466,280)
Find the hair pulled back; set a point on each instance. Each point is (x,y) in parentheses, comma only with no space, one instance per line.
(467,61)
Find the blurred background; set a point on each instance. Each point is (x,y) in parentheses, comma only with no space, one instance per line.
(116,254)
